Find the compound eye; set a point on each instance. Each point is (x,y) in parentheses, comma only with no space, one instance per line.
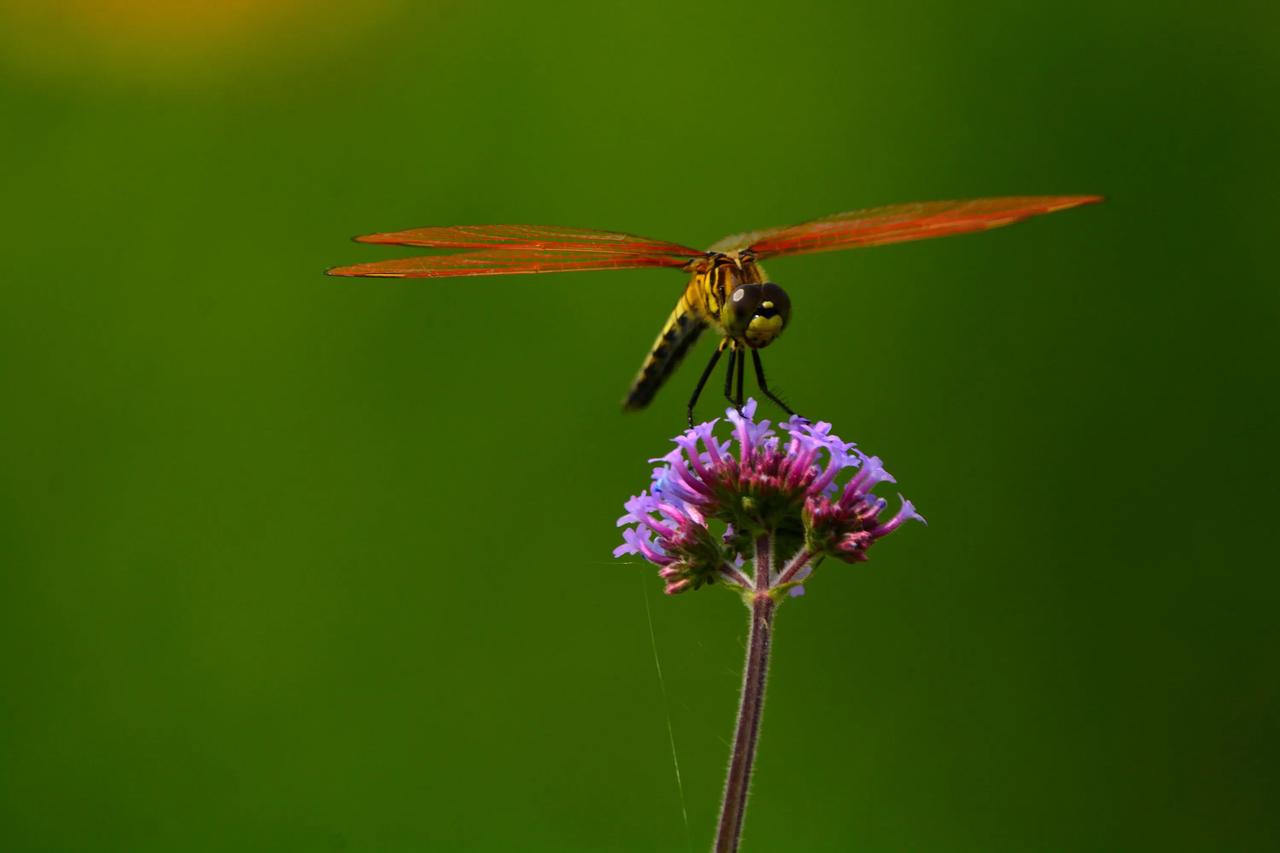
(774,302)
(744,300)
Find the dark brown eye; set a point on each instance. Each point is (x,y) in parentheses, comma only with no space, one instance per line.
(744,300)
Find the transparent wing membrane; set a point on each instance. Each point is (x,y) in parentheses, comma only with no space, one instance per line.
(542,237)
(897,223)
(506,262)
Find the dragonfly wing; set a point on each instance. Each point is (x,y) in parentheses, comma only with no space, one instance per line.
(507,262)
(898,223)
(537,237)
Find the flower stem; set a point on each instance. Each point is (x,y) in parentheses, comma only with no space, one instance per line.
(734,576)
(736,786)
(798,562)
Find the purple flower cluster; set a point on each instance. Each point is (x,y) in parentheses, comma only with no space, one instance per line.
(761,487)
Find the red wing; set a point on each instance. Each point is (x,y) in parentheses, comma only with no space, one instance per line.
(898,223)
(508,262)
(543,237)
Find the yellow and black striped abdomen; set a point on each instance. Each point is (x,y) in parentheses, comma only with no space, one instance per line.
(675,340)
(701,305)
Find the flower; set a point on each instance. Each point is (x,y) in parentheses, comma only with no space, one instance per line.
(758,486)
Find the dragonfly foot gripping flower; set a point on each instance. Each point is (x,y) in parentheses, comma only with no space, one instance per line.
(756,512)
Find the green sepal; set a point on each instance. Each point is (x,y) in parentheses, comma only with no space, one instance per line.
(779,593)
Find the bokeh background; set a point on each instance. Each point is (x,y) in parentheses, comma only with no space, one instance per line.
(297,563)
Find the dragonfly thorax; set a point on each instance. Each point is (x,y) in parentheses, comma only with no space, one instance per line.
(757,313)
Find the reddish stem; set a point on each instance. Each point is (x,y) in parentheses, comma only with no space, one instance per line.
(751,705)
(792,568)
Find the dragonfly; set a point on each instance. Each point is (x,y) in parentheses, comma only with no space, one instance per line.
(727,288)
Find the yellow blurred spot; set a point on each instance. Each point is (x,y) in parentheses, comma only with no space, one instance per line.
(161,39)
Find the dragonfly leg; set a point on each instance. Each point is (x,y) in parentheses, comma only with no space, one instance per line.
(742,369)
(702,380)
(734,355)
(764,386)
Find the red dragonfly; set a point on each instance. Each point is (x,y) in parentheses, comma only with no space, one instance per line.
(727,290)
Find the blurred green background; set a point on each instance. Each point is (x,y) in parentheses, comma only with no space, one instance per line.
(297,563)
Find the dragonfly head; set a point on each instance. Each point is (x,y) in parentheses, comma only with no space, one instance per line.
(758,313)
